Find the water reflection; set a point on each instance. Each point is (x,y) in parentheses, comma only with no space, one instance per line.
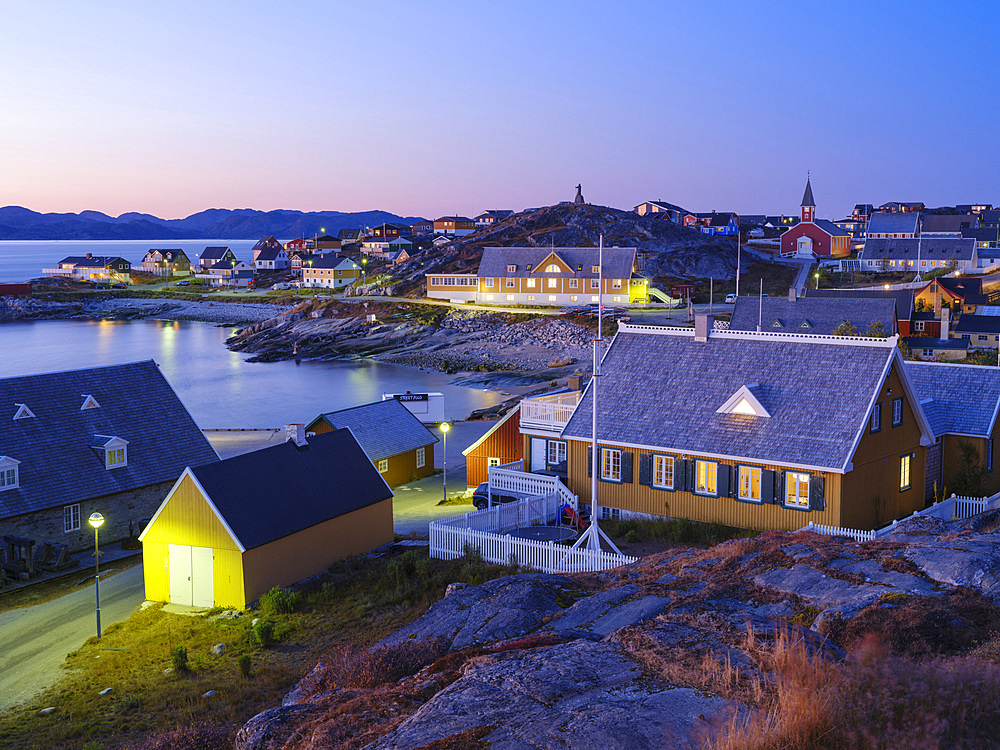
(218,386)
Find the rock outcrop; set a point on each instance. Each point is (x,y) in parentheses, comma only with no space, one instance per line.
(631,657)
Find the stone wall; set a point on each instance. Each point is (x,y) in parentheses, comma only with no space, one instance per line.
(118,510)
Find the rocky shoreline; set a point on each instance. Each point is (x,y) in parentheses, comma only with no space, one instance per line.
(127,308)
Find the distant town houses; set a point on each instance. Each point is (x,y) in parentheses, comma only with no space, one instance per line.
(385,248)
(109,269)
(673,212)
(348,236)
(271,259)
(422,227)
(388,230)
(545,277)
(458,226)
(212,255)
(489,218)
(231,274)
(918,254)
(266,243)
(166,262)
(726,224)
(329,271)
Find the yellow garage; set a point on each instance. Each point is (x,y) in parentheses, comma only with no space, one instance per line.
(229,531)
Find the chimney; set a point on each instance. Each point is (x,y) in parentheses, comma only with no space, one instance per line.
(296,433)
(702,326)
(90,255)
(945,315)
(576,381)
(792,296)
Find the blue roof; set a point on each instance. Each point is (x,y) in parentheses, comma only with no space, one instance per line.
(662,389)
(815,315)
(384,428)
(58,463)
(889,223)
(277,491)
(963,399)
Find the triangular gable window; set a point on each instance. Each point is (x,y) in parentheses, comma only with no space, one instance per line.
(744,402)
(805,324)
(777,324)
(89,402)
(23,412)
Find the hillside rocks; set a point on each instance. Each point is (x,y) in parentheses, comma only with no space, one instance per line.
(127,308)
(655,654)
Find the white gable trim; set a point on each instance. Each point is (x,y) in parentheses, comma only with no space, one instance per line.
(89,402)
(23,412)
(494,428)
(374,466)
(189,473)
(744,394)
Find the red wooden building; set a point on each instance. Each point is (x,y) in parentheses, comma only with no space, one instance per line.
(812,236)
(500,445)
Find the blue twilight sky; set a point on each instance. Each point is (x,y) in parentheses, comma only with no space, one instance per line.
(446,107)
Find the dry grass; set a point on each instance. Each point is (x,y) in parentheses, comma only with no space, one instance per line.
(77,578)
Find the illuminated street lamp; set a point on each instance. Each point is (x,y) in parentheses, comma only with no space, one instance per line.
(817,279)
(444,459)
(95,520)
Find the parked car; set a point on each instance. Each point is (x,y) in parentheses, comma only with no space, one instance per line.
(119,286)
(480,497)
(183,283)
(730,299)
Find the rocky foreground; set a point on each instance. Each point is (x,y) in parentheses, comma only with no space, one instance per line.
(542,348)
(128,308)
(665,652)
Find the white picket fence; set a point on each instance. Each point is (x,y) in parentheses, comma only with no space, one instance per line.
(513,482)
(483,531)
(954,508)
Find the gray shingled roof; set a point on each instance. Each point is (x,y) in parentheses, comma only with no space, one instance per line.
(216,252)
(618,261)
(269,253)
(947,222)
(328,260)
(277,491)
(830,228)
(887,223)
(931,248)
(663,391)
(807,196)
(970,323)
(59,466)
(963,398)
(813,315)
(903,297)
(384,428)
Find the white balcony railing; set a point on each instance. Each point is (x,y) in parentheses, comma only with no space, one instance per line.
(549,412)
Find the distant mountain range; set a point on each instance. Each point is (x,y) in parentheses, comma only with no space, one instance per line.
(17,223)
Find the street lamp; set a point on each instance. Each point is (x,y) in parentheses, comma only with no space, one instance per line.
(95,520)
(444,459)
(817,279)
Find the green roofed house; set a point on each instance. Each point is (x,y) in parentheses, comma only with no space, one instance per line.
(394,440)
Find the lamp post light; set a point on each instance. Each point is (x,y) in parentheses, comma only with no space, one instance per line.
(817,279)
(444,459)
(95,520)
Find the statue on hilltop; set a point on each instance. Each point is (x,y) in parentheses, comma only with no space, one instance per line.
(579,195)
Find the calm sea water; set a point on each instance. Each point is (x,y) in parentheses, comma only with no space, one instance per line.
(20,261)
(218,386)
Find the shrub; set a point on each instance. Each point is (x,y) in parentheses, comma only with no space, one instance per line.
(243,662)
(279,601)
(200,736)
(180,660)
(263,633)
(348,667)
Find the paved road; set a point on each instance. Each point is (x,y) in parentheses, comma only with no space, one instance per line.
(34,640)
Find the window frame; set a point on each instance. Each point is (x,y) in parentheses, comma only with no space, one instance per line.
(561,448)
(752,471)
(610,475)
(383,465)
(71,518)
(897,411)
(595,283)
(706,492)
(875,420)
(574,283)
(421,457)
(653,471)
(493,461)
(110,457)
(511,283)
(798,477)
(9,471)
(989,455)
(906,471)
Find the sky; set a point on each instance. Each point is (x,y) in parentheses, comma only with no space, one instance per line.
(435,108)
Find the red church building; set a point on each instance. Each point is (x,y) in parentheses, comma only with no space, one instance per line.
(814,237)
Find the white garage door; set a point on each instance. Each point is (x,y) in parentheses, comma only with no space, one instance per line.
(191,575)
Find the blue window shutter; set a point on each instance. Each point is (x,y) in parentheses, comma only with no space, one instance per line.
(680,474)
(767,486)
(627,466)
(722,483)
(590,460)
(645,470)
(817,496)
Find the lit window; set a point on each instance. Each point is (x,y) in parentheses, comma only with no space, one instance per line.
(531,298)
(71,518)
(383,465)
(115,457)
(421,457)
(705,477)
(573,298)
(904,471)
(552,298)
(750,483)
(489,297)
(876,421)
(574,283)
(553,283)
(796,489)
(511,268)
(616,284)
(511,282)
(8,473)
(897,412)
(557,451)
(510,297)
(595,269)
(595,283)
(531,283)
(552,268)
(594,298)
(611,464)
(663,472)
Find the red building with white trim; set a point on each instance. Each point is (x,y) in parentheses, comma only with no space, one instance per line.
(813,237)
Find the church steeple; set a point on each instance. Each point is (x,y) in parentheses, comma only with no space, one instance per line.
(808,204)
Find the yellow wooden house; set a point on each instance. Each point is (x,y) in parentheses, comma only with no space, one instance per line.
(229,531)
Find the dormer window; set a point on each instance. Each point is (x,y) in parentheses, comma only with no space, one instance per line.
(595,269)
(114,450)
(23,412)
(745,402)
(8,473)
(511,268)
(89,402)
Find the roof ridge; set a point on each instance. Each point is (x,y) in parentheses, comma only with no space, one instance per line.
(79,369)
(879,343)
